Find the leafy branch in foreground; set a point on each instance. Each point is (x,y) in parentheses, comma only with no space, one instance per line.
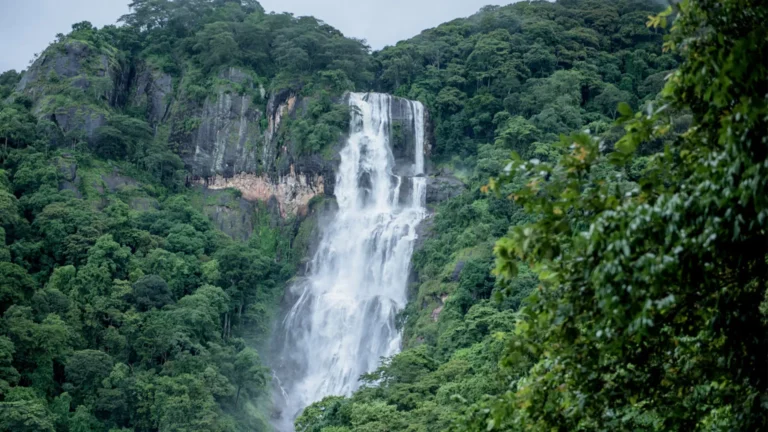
(648,316)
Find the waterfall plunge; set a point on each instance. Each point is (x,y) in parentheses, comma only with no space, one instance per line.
(343,322)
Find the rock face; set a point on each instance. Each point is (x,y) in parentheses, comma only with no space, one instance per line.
(222,137)
(68,178)
(229,147)
(81,120)
(63,61)
(233,216)
(152,90)
(231,137)
(442,188)
(71,65)
(292,192)
(280,105)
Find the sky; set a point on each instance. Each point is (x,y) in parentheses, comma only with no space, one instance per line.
(28,26)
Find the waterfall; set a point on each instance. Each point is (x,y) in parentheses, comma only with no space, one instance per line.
(343,321)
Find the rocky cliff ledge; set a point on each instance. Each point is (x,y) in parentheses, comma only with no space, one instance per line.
(230,135)
(292,193)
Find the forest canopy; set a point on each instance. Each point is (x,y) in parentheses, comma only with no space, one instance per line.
(602,268)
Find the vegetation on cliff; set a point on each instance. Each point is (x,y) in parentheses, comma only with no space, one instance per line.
(123,306)
(625,289)
(626,294)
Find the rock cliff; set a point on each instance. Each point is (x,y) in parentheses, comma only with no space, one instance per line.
(228,136)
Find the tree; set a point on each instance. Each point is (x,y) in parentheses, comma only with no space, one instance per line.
(488,55)
(244,274)
(217,45)
(648,314)
(16,127)
(38,346)
(184,404)
(8,374)
(8,81)
(249,373)
(69,229)
(151,292)
(517,134)
(610,98)
(16,285)
(83,421)
(22,411)
(9,209)
(85,370)
(185,239)
(123,137)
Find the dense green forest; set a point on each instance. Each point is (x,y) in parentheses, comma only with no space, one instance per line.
(123,306)
(610,276)
(625,291)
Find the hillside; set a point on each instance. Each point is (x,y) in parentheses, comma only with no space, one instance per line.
(507,79)
(592,255)
(161,183)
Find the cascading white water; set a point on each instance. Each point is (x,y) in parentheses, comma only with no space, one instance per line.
(343,322)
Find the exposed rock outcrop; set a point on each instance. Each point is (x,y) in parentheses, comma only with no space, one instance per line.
(232,138)
(68,178)
(117,182)
(443,188)
(153,91)
(233,216)
(63,61)
(65,66)
(280,105)
(228,148)
(82,120)
(223,136)
(292,192)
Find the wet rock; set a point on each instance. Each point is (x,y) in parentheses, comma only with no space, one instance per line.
(290,194)
(281,105)
(436,312)
(423,231)
(233,216)
(152,90)
(236,216)
(67,168)
(221,138)
(71,186)
(443,188)
(83,120)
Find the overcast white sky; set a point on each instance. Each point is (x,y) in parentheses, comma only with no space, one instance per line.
(28,26)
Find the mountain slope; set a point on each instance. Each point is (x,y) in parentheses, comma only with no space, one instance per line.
(160,185)
(507,79)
